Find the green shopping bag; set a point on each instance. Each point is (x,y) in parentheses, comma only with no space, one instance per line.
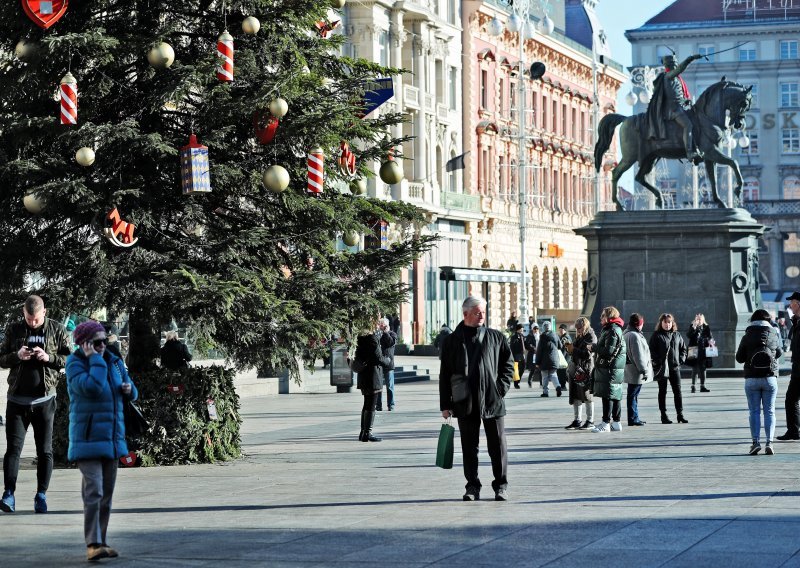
(444,451)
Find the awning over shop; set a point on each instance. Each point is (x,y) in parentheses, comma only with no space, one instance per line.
(452,273)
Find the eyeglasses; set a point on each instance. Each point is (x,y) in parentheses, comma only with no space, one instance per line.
(100,342)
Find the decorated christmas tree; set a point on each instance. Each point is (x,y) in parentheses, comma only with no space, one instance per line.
(192,161)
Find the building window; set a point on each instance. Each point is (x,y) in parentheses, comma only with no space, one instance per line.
(452,11)
(789,49)
(791,187)
(512,100)
(452,177)
(747,52)
(383,48)
(544,112)
(790,94)
(707,51)
(790,139)
(573,124)
(584,130)
(453,88)
(555,117)
(502,98)
(752,148)
(750,189)
(441,92)
(754,97)
(563,120)
(484,93)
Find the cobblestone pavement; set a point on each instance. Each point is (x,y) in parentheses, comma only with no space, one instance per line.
(307,493)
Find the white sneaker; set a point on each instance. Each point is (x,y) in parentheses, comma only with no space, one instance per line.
(616,427)
(602,427)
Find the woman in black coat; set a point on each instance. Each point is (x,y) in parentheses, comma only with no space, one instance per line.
(370,360)
(699,336)
(580,394)
(668,352)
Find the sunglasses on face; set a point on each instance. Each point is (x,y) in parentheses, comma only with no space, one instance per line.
(98,343)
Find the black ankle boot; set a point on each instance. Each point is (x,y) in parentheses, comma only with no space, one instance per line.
(362,435)
(369,419)
(682,420)
(665,419)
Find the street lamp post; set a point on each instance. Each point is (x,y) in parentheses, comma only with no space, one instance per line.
(519,22)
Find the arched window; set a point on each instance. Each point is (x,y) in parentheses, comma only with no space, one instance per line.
(791,187)
(556,290)
(576,289)
(535,296)
(546,288)
(565,290)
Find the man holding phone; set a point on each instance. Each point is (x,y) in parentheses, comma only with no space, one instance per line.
(35,350)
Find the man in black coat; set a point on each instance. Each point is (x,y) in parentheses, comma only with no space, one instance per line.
(476,373)
(793,390)
(388,341)
(518,352)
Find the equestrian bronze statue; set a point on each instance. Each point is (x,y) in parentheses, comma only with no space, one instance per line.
(674,128)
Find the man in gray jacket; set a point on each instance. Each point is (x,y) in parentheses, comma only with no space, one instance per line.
(476,373)
(638,367)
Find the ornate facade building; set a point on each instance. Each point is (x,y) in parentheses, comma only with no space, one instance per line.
(760,43)
(558,143)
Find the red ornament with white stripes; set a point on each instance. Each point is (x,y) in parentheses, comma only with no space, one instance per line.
(68,91)
(347,160)
(316,170)
(225,52)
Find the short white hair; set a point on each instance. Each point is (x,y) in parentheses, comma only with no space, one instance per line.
(171,335)
(384,321)
(471,302)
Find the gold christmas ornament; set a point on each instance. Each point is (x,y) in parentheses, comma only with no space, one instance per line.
(161,56)
(276,178)
(251,25)
(351,238)
(358,186)
(278,107)
(391,172)
(338,4)
(33,203)
(85,156)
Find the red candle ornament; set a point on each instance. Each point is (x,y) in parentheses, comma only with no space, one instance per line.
(69,99)
(225,52)
(347,160)
(316,170)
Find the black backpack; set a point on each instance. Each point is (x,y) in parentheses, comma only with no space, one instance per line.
(761,361)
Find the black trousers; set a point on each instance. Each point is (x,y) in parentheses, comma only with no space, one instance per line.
(793,405)
(611,409)
(469,428)
(370,398)
(699,369)
(675,382)
(18,418)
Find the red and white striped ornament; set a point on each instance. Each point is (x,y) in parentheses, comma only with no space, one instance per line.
(347,160)
(316,170)
(225,52)
(69,99)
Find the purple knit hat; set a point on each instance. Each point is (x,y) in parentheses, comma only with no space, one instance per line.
(85,331)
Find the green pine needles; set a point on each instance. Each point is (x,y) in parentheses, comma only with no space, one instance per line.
(258,273)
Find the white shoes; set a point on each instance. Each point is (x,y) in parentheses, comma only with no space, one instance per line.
(616,427)
(602,427)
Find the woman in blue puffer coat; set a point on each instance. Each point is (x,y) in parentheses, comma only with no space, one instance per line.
(97,384)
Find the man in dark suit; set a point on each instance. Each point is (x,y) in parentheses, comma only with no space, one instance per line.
(476,373)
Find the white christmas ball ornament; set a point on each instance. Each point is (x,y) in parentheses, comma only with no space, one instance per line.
(514,23)
(85,156)
(278,107)
(391,172)
(495,27)
(338,4)
(24,50)
(251,25)
(161,56)
(276,178)
(351,238)
(32,203)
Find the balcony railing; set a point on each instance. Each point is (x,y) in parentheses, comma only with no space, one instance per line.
(462,201)
(411,96)
(773,208)
(429,102)
(442,112)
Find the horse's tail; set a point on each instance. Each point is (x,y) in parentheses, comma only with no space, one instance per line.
(604,135)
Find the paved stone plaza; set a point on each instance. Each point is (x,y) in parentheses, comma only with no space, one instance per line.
(308,494)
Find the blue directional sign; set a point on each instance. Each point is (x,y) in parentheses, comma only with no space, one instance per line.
(376,93)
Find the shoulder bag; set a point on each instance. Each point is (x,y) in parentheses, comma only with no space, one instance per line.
(135,422)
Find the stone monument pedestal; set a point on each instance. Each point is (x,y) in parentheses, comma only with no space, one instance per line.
(682,262)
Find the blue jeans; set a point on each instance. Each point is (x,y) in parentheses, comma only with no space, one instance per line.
(547,376)
(761,393)
(633,403)
(389,380)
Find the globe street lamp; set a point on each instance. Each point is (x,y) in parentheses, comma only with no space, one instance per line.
(519,22)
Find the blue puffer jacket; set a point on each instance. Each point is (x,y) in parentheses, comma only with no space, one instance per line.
(96,418)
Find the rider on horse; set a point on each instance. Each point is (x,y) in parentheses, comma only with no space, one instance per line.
(670,101)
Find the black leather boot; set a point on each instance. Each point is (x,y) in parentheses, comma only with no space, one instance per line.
(362,434)
(369,419)
(665,419)
(681,419)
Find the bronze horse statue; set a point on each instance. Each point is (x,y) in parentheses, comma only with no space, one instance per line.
(721,104)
